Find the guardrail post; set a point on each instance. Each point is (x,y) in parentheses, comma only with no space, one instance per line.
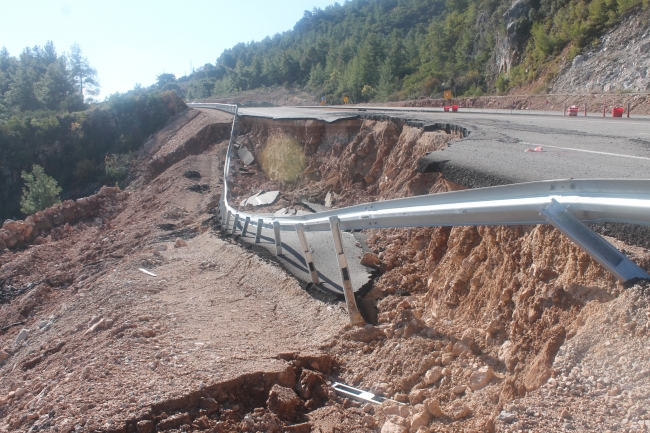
(225,226)
(278,240)
(592,243)
(309,260)
(353,311)
(243,231)
(258,234)
(222,213)
(234,224)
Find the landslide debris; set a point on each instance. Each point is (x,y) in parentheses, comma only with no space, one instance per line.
(472,322)
(469,319)
(90,342)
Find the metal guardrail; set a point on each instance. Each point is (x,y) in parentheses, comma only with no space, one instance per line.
(566,204)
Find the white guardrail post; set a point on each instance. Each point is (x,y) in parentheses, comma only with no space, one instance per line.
(234,224)
(306,252)
(225,226)
(567,204)
(353,311)
(258,234)
(278,239)
(246,222)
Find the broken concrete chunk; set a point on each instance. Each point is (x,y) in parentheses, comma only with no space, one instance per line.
(421,419)
(432,376)
(314,207)
(245,155)
(366,334)
(328,199)
(263,198)
(459,389)
(390,427)
(391,408)
(433,407)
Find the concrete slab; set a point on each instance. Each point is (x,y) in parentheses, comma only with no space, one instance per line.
(245,155)
(314,206)
(261,199)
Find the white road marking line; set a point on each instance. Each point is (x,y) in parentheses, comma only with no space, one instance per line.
(587,151)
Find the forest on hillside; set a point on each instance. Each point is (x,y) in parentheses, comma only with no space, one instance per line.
(400,49)
(48,118)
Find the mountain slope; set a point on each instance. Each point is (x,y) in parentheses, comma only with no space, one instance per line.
(397,49)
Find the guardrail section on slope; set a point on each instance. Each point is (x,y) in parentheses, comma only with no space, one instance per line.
(566,204)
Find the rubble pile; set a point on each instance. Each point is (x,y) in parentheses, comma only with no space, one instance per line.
(54,222)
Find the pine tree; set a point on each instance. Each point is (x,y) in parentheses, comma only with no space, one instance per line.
(41,191)
(55,86)
(387,81)
(370,57)
(21,92)
(84,76)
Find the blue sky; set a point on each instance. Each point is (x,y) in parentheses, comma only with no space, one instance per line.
(132,41)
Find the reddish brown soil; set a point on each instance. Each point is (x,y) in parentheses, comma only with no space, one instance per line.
(108,346)
(456,299)
(470,319)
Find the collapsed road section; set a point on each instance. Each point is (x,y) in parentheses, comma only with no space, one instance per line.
(474,328)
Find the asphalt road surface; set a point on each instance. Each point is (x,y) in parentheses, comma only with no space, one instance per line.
(495,150)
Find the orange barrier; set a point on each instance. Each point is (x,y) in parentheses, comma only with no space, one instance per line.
(454,108)
(617,111)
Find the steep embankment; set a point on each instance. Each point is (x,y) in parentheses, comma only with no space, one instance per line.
(469,319)
(92,343)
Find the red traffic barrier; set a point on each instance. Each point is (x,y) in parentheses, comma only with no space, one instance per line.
(618,111)
(573,110)
(446,108)
(454,108)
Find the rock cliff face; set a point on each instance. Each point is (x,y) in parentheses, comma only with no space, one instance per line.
(619,63)
(508,47)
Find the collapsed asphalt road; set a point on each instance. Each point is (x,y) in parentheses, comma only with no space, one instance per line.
(497,150)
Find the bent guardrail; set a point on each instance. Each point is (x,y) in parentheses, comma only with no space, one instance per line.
(566,204)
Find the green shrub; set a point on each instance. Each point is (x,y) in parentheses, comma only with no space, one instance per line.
(118,167)
(502,83)
(41,191)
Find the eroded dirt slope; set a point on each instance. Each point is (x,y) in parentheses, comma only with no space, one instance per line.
(470,320)
(97,344)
